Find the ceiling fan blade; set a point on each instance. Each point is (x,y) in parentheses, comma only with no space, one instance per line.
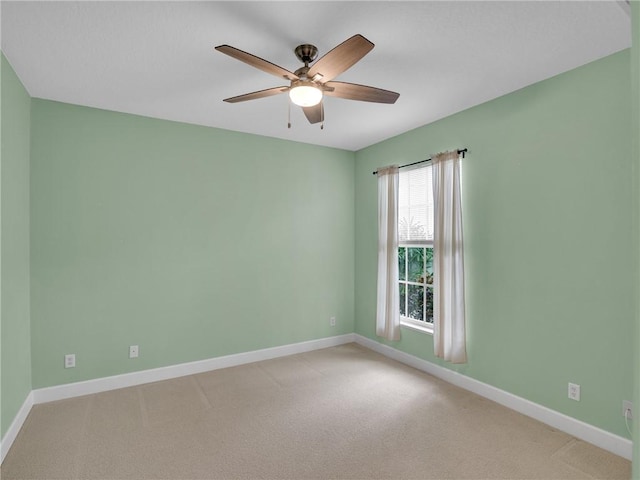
(257,62)
(340,58)
(255,95)
(353,91)
(314,114)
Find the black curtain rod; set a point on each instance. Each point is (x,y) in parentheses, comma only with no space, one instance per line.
(460,152)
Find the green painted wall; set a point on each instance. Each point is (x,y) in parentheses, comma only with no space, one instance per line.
(188,241)
(635,92)
(548,239)
(14,230)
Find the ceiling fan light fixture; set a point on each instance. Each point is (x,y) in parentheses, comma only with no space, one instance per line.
(305,93)
(308,84)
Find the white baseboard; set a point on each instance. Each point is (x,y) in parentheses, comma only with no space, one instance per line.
(601,438)
(60,392)
(594,435)
(15,427)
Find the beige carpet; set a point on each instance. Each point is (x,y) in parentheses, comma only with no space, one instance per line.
(342,412)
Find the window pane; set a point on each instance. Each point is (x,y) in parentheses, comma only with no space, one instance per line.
(402,271)
(403,294)
(429,261)
(415,205)
(416,264)
(416,302)
(429,305)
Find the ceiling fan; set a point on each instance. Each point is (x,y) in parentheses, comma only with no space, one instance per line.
(309,84)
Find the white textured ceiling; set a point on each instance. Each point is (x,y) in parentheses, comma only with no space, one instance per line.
(157,58)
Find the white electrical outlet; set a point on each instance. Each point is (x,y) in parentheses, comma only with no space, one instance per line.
(70,360)
(574,392)
(332,321)
(133,351)
(627,406)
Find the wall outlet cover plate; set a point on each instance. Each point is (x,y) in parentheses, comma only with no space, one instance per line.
(70,360)
(574,392)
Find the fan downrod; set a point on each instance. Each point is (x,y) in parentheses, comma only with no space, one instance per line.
(306,53)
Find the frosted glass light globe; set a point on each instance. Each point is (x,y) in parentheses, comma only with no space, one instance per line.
(305,94)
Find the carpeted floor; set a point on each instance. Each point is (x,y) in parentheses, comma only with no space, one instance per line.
(342,412)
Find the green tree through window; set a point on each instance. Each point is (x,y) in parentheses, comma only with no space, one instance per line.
(415,265)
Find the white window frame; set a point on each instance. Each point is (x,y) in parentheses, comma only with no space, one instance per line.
(408,322)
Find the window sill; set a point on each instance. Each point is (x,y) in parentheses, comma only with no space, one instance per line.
(427,328)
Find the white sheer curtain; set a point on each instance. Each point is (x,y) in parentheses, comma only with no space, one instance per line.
(388,310)
(449,338)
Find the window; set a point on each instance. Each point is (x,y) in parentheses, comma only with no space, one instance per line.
(415,251)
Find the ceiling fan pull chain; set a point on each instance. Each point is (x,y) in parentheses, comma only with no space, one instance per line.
(322,115)
(289,114)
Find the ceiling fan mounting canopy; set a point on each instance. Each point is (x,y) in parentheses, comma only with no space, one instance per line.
(308,84)
(306,53)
